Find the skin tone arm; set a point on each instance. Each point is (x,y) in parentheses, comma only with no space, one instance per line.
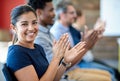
(60,72)
(28,73)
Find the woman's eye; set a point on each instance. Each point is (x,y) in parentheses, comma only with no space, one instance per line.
(24,24)
(35,23)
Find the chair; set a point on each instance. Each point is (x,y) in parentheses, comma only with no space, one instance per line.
(7,73)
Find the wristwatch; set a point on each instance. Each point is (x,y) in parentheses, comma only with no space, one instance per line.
(66,64)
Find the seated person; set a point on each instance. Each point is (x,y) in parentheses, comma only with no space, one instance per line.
(27,61)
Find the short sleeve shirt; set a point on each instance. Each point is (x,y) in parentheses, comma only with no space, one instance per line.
(20,57)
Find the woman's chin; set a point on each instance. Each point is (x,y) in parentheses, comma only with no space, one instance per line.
(30,40)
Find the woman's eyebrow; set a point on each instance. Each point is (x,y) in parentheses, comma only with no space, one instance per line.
(35,20)
(23,21)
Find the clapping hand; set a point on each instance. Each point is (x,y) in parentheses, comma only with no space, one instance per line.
(60,46)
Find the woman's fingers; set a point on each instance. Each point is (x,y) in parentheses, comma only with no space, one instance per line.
(63,39)
(61,46)
(81,52)
(64,43)
(67,46)
(80,48)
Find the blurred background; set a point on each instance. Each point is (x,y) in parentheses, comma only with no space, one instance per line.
(107,49)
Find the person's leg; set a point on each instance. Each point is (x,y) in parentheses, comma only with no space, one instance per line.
(117,74)
(94,71)
(89,75)
(94,65)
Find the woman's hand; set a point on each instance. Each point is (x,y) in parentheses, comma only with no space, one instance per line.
(60,46)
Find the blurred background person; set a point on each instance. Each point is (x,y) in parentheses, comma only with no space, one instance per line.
(80,20)
(66,15)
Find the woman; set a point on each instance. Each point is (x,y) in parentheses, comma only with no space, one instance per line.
(26,60)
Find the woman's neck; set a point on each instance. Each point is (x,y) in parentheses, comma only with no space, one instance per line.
(26,44)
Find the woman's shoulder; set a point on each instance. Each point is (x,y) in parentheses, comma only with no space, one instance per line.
(17,58)
(17,52)
(15,48)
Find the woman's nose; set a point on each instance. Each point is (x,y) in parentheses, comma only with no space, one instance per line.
(30,27)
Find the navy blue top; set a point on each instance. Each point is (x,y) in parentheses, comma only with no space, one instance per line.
(20,57)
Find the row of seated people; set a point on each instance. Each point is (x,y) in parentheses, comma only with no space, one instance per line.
(35,54)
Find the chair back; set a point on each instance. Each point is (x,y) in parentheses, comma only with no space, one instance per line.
(8,74)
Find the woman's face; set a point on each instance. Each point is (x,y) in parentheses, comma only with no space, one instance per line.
(26,27)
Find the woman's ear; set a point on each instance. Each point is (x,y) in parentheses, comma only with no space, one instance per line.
(13,28)
(14,32)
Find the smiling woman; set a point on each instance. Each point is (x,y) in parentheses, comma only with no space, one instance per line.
(20,58)
(26,27)
(24,22)
(26,60)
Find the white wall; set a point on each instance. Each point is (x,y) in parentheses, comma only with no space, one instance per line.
(110,12)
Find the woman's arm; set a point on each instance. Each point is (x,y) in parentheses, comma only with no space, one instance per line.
(28,73)
(60,72)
